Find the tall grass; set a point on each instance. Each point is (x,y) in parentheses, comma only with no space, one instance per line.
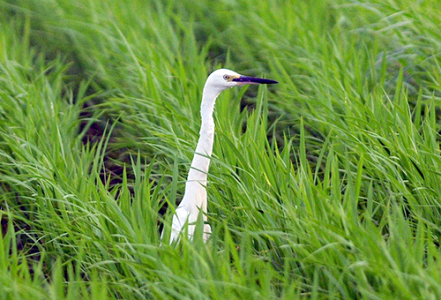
(325,186)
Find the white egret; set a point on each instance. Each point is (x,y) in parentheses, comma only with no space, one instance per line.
(195,195)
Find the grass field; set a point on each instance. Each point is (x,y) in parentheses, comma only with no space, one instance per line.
(325,186)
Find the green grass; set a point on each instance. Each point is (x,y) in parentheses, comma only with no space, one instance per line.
(325,186)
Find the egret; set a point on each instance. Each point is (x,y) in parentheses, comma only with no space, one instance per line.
(195,195)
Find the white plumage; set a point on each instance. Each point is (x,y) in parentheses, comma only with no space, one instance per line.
(195,195)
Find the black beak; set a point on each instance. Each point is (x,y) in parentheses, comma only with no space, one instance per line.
(253,80)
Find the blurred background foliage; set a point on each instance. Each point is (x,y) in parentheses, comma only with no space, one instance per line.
(325,186)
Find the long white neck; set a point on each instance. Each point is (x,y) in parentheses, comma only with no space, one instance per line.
(201,160)
(195,195)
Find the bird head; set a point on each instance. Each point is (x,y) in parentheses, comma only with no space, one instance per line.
(223,79)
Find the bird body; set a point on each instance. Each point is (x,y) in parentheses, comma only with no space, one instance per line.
(194,201)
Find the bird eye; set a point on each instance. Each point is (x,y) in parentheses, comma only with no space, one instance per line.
(227,77)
